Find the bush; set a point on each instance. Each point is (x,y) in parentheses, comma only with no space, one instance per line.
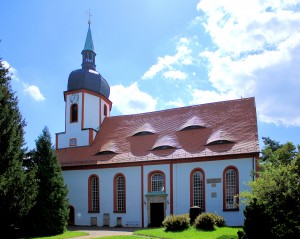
(176,222)
(208,220)
(205,221)
(219,221)
(257,221)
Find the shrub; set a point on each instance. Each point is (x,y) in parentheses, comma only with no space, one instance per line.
(219,221)
(205,221)
(176,222)
(257,221)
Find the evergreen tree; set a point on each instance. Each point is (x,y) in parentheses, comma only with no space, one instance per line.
(17,184)
(50,214)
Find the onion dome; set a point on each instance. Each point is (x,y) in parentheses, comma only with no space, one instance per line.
(88,78)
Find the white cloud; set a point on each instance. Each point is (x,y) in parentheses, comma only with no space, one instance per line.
(169,63)
(206,96)
(256,53)
(30,90)
(13,72)
(175,75)
(131,100)
(34,92)
(176,103)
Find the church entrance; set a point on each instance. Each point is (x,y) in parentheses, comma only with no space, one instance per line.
(71,221)
(156,214)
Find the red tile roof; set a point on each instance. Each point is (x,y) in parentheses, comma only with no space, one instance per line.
(233,121)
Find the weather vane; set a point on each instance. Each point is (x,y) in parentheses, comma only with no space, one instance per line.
(90,14)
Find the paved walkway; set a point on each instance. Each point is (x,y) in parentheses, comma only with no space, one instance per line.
(95,231)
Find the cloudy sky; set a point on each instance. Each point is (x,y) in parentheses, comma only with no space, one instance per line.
(157,55)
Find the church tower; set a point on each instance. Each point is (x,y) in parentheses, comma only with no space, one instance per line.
(86,101)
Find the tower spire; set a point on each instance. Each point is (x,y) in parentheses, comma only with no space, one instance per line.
(88,53)
(90,14)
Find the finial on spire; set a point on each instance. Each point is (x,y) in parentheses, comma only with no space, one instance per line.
(90,14)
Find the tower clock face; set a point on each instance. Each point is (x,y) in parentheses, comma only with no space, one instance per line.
(74,98)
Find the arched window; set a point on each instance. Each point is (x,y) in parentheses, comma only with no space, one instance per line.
(74,113)
(230,188)
(119,193)
(105,110)
(157,182)
(93,193)
(197,188)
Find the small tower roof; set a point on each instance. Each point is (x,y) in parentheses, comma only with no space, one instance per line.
(89,40)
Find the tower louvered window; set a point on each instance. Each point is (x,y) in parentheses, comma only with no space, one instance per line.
(74,113)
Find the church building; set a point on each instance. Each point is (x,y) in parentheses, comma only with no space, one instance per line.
(135,170)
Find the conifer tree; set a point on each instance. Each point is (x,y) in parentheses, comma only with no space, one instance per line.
(50,214)
(17,184)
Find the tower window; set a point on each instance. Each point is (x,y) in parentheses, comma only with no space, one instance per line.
(74,113)
(105,110)
(73,142)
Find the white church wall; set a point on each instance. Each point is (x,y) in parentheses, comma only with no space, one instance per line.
(91,111)
(77,182)
(165,168)
(73,130)
(213,192)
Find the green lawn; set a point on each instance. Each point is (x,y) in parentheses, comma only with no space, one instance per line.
(191,233)
(66,234)
(219,233)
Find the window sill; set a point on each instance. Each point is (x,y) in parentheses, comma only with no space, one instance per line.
(119,211)
(97,211)
(231,210)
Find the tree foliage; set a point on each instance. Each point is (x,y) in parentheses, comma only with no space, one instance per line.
(275,193)
(17,184)
(50,214)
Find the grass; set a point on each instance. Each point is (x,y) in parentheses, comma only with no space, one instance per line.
(191,233)
(66,234)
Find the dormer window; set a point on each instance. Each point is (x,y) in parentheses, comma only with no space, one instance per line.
(142,133)
(220,137)
(193,123)
(163,147)
(108,148)
(106,152)
(219,142)
(166,142)
(74,113)
(144,129)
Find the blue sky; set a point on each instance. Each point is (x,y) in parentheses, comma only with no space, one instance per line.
(157,55)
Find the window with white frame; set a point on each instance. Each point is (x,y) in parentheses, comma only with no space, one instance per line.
(120,183)
(95,193)
(198,189)
(231,189)
(157,182)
